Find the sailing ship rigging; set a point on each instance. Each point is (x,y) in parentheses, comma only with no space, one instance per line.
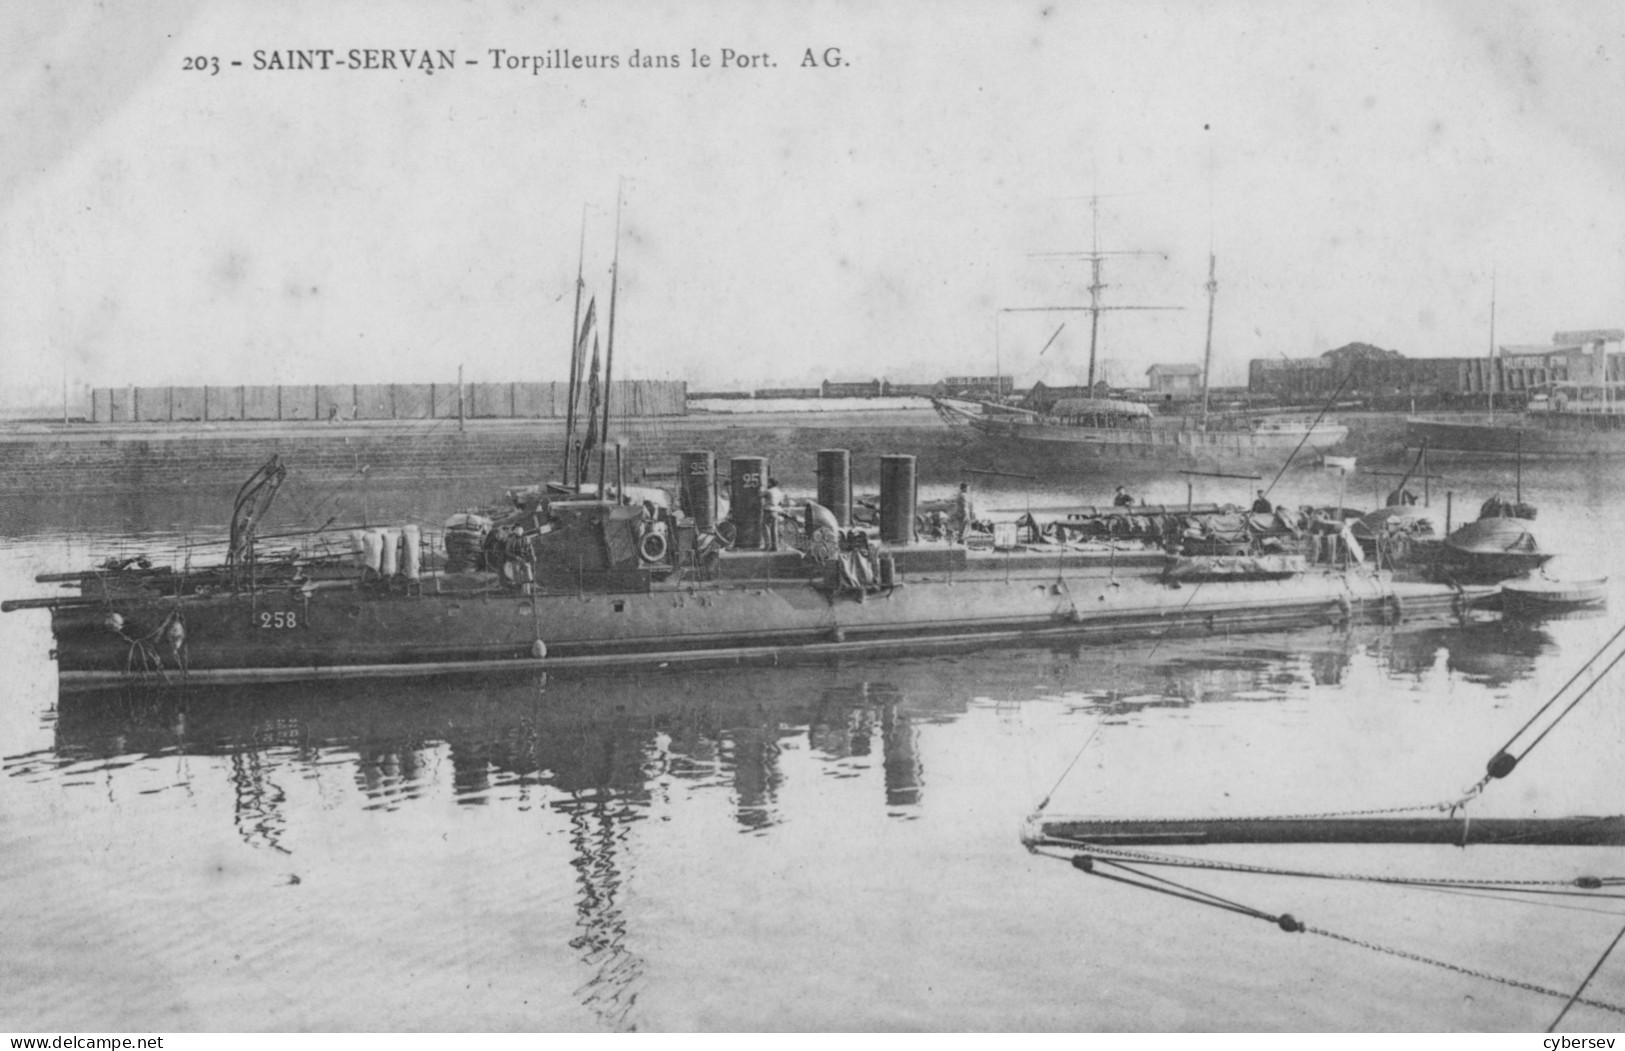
(1093,430)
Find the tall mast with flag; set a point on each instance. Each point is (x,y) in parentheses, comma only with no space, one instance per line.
(578,362)
(576,341)
(594,396)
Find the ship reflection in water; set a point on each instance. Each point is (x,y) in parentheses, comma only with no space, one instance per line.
(618,737)
(594,750)
(1488,652)
(605,754)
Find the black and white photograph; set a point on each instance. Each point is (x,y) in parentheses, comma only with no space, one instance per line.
(977,516)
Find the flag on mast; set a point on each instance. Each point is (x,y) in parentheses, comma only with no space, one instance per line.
(580,349)
(593,396)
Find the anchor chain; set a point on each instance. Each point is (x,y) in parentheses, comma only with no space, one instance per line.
(1469,972)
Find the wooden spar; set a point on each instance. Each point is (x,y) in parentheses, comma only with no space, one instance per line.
(575,357)
(999,474)
(609,355)
(1585,831)
(93,574)
(1099,511)
(1222,474)
(55,602)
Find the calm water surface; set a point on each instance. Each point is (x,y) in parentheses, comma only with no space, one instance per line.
(808,848)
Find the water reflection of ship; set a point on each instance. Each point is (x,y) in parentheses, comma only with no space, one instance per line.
(598,828)
(1492,653)
(592,734)
(594,759)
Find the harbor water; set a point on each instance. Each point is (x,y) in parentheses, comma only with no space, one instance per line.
(826,847)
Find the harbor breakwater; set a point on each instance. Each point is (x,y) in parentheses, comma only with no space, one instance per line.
(73,459)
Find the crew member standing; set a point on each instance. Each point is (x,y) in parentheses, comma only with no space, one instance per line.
(772,500)
(1123,498)
(1262,505)
(964,513)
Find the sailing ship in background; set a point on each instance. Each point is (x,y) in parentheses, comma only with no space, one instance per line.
(1078,432)
(1571,411)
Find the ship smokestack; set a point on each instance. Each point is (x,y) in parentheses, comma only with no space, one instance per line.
(898,495)
(697,481)
(748,477)
(835,484)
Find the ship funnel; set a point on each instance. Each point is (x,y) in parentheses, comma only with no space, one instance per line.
(835,484)
(898,494)
(747,479)
(697,493)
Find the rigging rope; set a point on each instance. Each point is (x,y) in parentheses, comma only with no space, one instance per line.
(1503,762)
(1584,886)
(1324,410)
(1595,968)
(1290,924)
(1070,765)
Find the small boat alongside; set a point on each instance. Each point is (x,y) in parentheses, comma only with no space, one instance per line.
(1539,595)
(1492,548)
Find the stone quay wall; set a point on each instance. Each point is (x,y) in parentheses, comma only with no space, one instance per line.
(131,458)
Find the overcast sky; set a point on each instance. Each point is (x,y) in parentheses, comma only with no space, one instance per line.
(1359,170)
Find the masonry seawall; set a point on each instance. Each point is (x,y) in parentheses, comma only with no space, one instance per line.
(68,459)
(71,459)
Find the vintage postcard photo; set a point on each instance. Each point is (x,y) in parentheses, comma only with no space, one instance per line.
(975,516)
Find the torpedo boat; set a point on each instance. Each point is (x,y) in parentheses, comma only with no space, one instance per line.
(571,580)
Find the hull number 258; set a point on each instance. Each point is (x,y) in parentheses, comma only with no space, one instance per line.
(279,619)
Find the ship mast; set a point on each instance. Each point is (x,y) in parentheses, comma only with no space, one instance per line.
(1207,353)
(1489,381)
(575,357)
(609,360)
(1096,286)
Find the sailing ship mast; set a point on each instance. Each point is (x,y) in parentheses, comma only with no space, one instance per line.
(1489,380)
(1096,286)
(1207,353)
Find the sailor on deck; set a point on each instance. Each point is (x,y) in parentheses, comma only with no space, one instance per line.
(964,513)
(772,500)
(1262,505)
(1123,498)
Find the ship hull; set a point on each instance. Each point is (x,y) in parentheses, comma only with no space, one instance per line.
(1531,435)
(1065,447)
(291,635)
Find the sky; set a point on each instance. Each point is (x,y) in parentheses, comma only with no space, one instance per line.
(1373,172)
